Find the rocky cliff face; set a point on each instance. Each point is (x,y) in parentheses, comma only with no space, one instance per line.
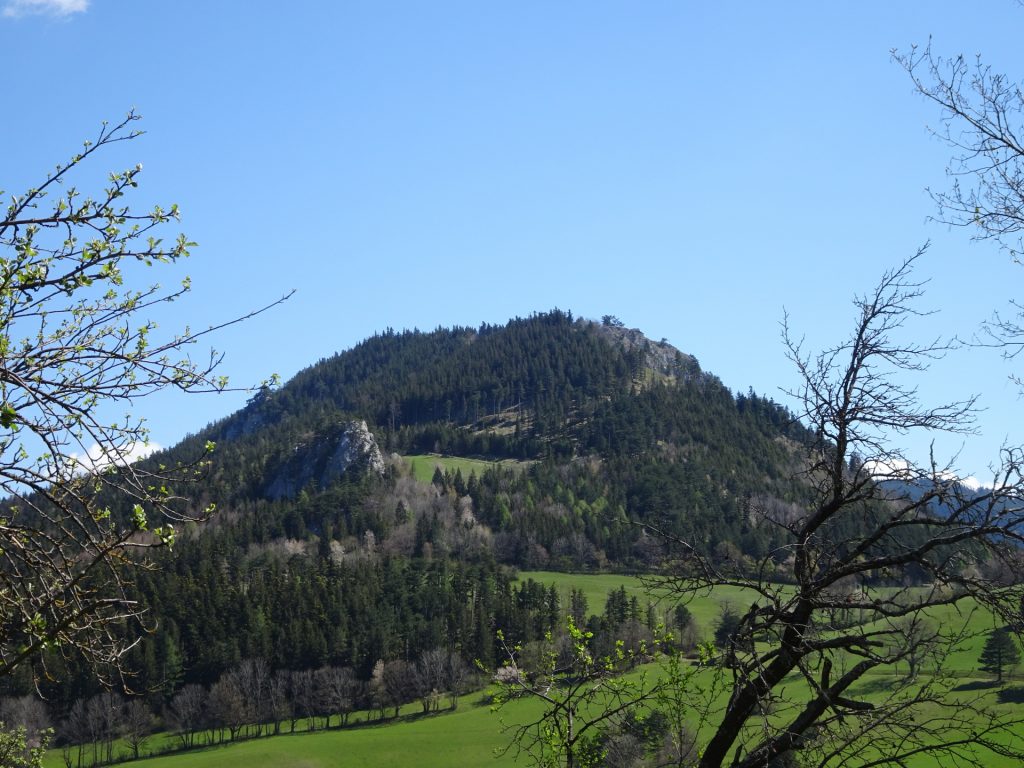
(325,459)
(659,356)
(355,444)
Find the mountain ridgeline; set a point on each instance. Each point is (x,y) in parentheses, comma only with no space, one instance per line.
(609,429)
(326,550)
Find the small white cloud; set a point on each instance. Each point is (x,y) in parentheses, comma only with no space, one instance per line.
(893,469)
(97,459)
(972,482)
(59,8)
(900,469)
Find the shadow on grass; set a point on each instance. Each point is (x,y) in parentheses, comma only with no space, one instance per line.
(377,722)
(977,685)
(1013,695)
(875,685)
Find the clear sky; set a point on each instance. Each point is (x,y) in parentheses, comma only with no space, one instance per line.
(692,168)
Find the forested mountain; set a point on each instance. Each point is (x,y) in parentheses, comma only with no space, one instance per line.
(547,389)
(608,429)
(325,550)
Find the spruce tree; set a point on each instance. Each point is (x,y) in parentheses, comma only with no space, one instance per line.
(1000,651)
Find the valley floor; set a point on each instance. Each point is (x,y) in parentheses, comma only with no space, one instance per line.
(471,734)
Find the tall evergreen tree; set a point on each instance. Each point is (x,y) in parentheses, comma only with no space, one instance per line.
(1000,652)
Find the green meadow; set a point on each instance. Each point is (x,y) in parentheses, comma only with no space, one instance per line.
(424,464)
(596,586)
(470,735)
(466,737)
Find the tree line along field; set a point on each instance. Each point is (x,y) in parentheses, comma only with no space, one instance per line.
(473,734)
(706,610)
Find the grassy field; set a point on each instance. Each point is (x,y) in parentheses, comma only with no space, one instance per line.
(469,735)
(423,465)
(705,609)
(465,737)
(596,586)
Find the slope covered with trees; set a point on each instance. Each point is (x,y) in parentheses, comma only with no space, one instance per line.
(607,430)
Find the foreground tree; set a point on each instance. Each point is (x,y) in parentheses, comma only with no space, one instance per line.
(16,752)
(588,703)
(911,541)
(75,344)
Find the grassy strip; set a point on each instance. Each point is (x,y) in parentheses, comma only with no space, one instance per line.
(423,465)
(466,736)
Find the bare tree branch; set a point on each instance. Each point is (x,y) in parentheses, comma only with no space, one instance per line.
(74,341)
(982,121)
(884,544)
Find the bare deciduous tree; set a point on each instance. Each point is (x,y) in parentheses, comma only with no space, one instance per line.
(915,541)
(137,725)
(75,731)
(254,681)
(338,687)
(227,706)
(103,715)
(285,695)
(457,672)
(429,677)
(399,683)
(187,713)
(982,121)
(280,706)
(305,696)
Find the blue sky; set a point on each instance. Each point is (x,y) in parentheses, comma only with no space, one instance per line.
(691,168)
